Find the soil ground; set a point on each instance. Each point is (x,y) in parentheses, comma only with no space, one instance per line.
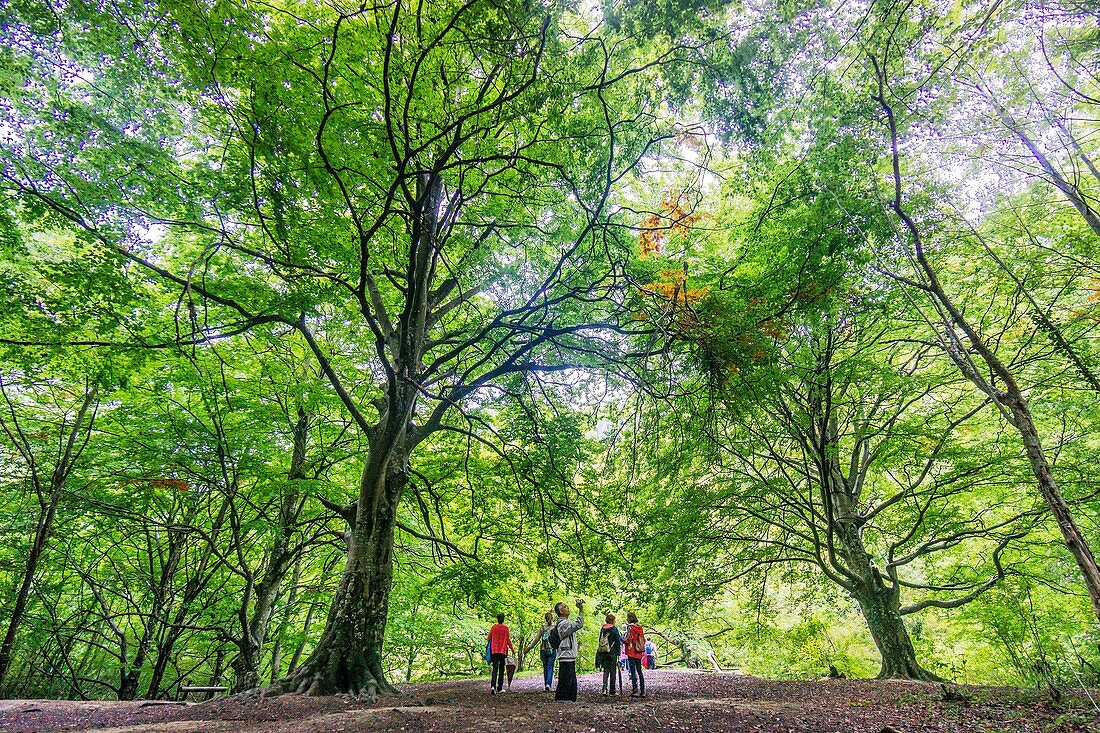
(676,700)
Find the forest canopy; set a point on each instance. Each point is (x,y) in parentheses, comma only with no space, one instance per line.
(329,330)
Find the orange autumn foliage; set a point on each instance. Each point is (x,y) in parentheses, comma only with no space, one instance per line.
(176,484)
(1093,301)
(672,286)
(672,219)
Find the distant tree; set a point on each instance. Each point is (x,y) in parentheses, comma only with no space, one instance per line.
(45,443)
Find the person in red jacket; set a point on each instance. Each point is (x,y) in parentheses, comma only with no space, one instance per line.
(500,642)
(635,650)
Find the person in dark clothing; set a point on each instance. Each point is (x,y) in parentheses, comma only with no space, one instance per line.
(567,651)
(607,653)
(500,642)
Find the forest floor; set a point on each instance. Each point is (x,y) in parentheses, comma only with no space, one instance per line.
(676,700)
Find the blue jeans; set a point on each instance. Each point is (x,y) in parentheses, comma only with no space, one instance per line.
(548,667)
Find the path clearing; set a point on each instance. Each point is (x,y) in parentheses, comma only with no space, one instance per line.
(678,701)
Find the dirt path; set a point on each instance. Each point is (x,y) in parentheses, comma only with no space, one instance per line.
(677,701)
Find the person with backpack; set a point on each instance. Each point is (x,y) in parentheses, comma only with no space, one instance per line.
(635,650)
(563,638)
(650,654)
(607,653)
(500,642)
(547,653)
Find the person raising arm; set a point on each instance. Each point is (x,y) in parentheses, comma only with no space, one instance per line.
(547,653)
(567,650)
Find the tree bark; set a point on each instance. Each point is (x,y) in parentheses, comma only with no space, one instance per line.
(880,607)
(348,657)
(1048,487)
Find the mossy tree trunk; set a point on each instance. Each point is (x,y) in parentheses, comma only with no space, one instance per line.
(349,656)
(879,600)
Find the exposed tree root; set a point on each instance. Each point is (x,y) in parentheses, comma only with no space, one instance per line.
(919,674)
(321,679)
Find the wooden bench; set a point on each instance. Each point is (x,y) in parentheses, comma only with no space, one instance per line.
(186,690)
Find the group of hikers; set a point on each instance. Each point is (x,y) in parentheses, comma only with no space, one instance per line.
(558,642)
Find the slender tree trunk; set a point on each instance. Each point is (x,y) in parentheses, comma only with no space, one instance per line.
(246,665)
(276,660)
(43,530)
(1073,193)
(34,555)
(216,672)
(410,659)
(1048,487)
(280,558)
(130,674)
(306,626)
(160,667)
(1009,397)
(277,648)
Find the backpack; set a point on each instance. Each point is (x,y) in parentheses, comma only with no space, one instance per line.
(554,638)
(637,643)
(605,642)
(546,648)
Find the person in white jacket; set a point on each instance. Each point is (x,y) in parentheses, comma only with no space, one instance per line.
(567,650)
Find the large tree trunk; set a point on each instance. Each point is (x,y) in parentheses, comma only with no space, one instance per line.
(880,607)
(880,604)
(348,657)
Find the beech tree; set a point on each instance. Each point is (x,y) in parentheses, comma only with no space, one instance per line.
(849,453)
(973,351)
(420,194)
(359,297)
